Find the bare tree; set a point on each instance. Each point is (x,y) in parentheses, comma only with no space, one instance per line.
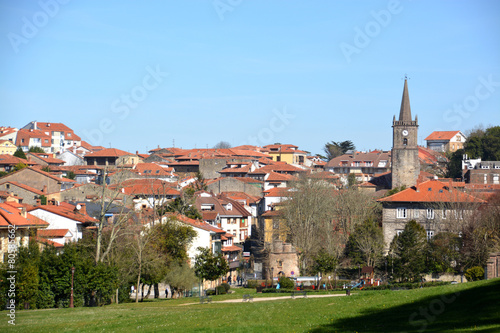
(307,215)
(108,199)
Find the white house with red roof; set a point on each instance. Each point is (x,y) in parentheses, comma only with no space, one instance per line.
(65,221)
(60,136)
(15,226)
(446,141)
(148,193)
(27,138)
(232,216)
(8,133)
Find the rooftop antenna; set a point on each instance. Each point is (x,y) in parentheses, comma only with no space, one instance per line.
(406,77)
(173,143)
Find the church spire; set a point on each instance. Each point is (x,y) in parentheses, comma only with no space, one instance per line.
(405,112)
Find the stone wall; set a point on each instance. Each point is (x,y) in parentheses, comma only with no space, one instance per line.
(34,179)
(493,266)
(229,184)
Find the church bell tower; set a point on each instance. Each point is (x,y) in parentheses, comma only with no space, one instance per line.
(405,163)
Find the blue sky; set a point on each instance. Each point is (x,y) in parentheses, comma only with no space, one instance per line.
(135,75)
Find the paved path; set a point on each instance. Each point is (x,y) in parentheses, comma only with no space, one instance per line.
(263,299)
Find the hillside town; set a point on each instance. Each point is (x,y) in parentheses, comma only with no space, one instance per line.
(57,189)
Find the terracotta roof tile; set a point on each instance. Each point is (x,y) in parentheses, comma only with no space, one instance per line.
(432,191)
(441,135)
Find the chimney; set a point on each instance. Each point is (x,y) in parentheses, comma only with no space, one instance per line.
(83,210)
(23,212)
(44,189)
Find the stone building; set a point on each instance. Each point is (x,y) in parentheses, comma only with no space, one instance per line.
(436,205)
(283,260)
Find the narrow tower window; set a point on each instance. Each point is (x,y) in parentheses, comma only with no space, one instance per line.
(405,142)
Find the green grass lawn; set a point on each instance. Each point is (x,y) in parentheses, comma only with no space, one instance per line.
(454,308)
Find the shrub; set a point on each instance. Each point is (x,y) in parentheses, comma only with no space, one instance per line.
(286,283)
(210,292)
(220,290)
(252,283)
(226,287)
(474,274)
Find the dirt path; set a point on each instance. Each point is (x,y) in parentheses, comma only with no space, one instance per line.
(263,299)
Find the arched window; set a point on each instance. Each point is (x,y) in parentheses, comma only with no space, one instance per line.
(405,141)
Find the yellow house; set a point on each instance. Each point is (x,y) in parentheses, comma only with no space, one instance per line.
(7,147)
(286,153)
(273,227)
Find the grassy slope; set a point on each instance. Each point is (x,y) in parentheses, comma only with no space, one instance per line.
(471,306)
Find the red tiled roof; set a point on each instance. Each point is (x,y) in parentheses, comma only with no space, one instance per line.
(231,248)
(279,167)
(108,152)
(196,223)
(10,215)
(441,135)
(66,210)
(26,134)
(47,158)
(49,242)
(279,177)
(432,191)
(271,213)
(277,192)
(243,169)
(152,169)
(241,196)
(52,233)
(147,186)
(6,159)
(209,216)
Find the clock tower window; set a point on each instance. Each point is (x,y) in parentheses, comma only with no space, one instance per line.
(405,142)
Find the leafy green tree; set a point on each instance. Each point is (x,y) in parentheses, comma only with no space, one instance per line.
(484,144)
(173,239)
(19,166)
(182,205)
(443,252)
(180,278)
(20,153)
(409,251)
(324,262)
(28,280)
(46,168)
(333,149)
(36,150)
(366,244)
(70,175)
(209,266)
(351,180)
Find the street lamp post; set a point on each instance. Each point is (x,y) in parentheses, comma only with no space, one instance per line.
(71,305)
(272,277)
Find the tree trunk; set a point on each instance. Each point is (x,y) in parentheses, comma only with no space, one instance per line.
(138,284)
(157,290)
(149,291)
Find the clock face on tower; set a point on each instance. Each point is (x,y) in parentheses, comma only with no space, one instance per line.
(405,132)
